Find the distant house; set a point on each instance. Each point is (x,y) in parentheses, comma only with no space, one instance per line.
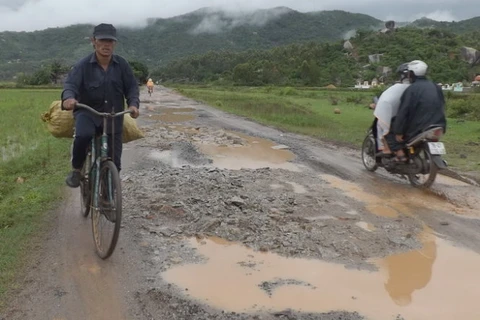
(476,82)
(364,85)
(458,87)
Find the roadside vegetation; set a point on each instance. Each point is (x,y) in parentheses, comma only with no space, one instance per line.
(312,112)
(366,56)
(33,165)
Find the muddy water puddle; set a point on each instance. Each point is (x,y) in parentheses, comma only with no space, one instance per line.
(235,151)
(439,281)
(255,153)
(391,200)
(174,115)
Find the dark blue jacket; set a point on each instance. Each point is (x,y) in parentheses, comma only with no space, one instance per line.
(102,90)
(422,105)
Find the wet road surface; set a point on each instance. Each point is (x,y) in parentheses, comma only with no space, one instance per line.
(314,234)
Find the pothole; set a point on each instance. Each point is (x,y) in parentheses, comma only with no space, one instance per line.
(254,153)
(181,154)
(419,284)
(174,115)
(392,200)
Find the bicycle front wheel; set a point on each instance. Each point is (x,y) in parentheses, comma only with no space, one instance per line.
(85,189)
(107,216)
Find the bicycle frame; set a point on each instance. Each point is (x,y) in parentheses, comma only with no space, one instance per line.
(94,165)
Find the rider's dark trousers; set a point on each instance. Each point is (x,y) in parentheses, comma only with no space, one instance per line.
(393,143)
(85,128)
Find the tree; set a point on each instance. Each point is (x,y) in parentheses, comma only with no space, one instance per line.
(22,79)
(140,71)
(57,68)
(41,77)
(244,74)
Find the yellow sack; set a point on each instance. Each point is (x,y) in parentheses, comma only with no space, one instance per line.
(130,130)
(60,124)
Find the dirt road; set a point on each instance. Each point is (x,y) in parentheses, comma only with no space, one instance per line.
(228,219)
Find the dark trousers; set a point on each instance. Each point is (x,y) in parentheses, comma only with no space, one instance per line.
(393,143)
(85,129)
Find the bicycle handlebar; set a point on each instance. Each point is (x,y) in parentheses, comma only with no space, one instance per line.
(101,114)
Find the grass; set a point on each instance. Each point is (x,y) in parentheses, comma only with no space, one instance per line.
(33,165)
(311,112)
(13,85)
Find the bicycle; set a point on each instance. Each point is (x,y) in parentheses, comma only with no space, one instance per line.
(100,187)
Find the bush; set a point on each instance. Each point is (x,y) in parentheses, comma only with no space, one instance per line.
(357,99)
(467,107)
(334,100)
(268,89)
(288,91)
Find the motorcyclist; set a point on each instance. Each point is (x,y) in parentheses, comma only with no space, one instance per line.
(150,85)
(387,106)
(422,105)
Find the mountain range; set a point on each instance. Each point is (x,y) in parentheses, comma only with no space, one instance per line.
(198,32)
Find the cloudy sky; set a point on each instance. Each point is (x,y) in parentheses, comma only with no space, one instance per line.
(29,15)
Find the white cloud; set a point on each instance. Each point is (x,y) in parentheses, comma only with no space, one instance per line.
(216,22)
(439,15)
(211,24)
(349,34)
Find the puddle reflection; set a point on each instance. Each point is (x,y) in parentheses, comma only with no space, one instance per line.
(410,271)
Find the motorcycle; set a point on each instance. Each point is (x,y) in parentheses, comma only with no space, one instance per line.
(424,156)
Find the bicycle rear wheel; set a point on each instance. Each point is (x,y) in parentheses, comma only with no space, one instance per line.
(107,217)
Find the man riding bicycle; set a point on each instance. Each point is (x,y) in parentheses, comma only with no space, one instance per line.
(103,81)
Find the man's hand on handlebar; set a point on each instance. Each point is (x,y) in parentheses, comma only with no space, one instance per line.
(135,112)
(69,104)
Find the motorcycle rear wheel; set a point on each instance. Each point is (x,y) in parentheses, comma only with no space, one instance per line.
(432,172)
(368,153)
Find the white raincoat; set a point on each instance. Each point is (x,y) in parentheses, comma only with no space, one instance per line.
(387,108)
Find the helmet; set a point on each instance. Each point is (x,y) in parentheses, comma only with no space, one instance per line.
(419,68)
(402,69)
(149,79)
